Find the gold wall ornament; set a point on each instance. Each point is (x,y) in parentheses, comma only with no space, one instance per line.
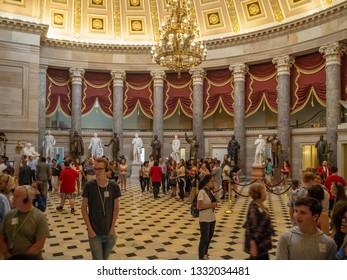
(15,2)
(213,18)
(136,25)
(233,15)
(277,10)
(296,3)
(117,26)
(327,2)
(253,10)
(97,23)
(59,19)
(155,19)
(97,4)
(135,4)
(77,19)
(178,47)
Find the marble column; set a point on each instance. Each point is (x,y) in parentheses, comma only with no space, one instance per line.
(198,75)
(158,101)
(239,72)
(42,107)
(118,78)
(76,75)
(332,54)
(283,64)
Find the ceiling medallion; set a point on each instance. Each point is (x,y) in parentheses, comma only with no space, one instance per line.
(178,47)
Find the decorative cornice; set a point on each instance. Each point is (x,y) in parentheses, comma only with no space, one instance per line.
(25,26)
(239,71)
(332,53)
(283,64)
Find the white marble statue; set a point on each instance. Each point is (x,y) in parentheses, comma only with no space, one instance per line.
(96,146)
(259,151)
(48,144)
(30,151)
(176,144)
(137,146)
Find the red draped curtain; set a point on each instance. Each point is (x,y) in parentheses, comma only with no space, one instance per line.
(218,92)
(97,87)
(58,92)
(178,95)
(138,92)
(307,80)
(261,88)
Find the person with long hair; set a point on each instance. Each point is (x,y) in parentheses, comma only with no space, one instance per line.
(123,173)
(258,225)
(181,178)
(206,203)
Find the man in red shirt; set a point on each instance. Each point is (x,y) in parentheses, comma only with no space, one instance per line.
(155,173)
(333,178)
(67,186)
(324,169)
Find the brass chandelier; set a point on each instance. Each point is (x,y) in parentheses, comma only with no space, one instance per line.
(178,47)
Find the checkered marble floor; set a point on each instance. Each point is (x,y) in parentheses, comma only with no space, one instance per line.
(162,229)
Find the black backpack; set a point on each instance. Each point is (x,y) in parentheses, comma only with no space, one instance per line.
(193,208)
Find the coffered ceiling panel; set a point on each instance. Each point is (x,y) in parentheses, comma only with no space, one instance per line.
(138,21)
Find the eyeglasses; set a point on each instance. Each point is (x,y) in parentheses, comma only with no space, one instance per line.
(99,169)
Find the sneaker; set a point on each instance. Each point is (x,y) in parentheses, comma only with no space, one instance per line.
(206,257)
(73,211)
(59,208)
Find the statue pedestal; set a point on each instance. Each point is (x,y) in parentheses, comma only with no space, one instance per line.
(257,172)
(135,167)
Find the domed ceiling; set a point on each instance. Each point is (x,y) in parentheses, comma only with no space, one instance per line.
(138,21)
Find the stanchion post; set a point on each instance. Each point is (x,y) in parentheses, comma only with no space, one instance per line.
(229,211)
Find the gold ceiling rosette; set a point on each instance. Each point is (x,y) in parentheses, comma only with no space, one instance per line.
(179,47)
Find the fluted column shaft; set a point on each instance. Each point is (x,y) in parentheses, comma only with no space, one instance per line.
(118,78)
(239,72)
(158,101)
(198,75)
(42,107)
(283,65)
(332,54)
(76,105)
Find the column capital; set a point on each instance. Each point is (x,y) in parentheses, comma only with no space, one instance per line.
(198,75)
(283,64)
(118,78)
(76,75)
(158,77)
(239,71)
(332,53)
(43,69)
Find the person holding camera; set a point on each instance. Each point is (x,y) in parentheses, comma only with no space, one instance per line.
(207,218)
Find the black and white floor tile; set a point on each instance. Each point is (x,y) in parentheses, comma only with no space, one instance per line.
(163,229)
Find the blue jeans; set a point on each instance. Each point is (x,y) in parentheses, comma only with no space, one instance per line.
(101,246)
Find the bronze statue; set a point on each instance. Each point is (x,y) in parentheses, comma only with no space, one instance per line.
(322,150)
(156,147)
(115,146)
(233,149)
(194,146)
(276,147)
(76,145)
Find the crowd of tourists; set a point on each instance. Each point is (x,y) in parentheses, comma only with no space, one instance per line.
(317,204)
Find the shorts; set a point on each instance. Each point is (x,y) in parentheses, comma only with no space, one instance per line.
(67,195)
(122,177)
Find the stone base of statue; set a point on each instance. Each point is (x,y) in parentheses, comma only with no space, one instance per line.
(135,167)
(257,172)
(277,175)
